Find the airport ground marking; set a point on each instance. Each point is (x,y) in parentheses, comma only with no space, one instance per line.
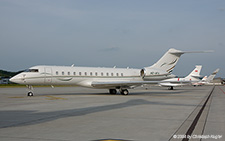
(17,97)
(222,90)
(49,97)
(186,134)
(111,140)
(194,123)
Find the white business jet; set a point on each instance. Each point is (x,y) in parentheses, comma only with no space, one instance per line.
(102,78)
(178,82)
(207,80)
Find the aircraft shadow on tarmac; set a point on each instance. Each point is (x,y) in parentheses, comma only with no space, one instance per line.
(142,93)
(18,118)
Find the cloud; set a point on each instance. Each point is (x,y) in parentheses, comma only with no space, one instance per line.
(221,9)
(58,9)
(110,49)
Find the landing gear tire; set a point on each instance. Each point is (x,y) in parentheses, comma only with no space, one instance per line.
(171,88)
(112,91)
(124,92)
(30,94)
(30,90)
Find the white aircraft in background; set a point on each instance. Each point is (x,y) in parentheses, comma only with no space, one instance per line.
(178,82)
(206,80)
(102,78)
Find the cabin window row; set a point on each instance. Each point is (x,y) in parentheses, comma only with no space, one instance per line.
(89,74)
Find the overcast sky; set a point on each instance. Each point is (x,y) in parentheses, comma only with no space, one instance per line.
(107,33)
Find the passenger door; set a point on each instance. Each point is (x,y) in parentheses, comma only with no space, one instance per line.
(48,75)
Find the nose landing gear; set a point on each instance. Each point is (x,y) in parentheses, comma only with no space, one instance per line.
(30,90)
(30,94)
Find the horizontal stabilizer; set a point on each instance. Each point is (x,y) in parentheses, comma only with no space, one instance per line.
(196,76)
(182,52)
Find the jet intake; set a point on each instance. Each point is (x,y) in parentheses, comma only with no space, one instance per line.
(143,73)
(153,74)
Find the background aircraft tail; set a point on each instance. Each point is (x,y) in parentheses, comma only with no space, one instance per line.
(195,74)
(211,77)
(204,78)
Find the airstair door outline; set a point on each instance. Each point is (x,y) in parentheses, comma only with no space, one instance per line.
(48,75)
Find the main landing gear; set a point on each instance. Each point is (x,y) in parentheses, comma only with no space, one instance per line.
(30,90)
(170,88)
(122,91)
(112,91)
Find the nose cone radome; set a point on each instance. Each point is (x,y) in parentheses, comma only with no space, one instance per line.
(15,79)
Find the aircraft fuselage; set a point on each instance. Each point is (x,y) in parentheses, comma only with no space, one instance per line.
(83,76)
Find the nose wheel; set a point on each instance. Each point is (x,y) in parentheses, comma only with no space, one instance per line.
(30,90)
(30,94)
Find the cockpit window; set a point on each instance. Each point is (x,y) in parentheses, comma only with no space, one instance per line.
(31,70)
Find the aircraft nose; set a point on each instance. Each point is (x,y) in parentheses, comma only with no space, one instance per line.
(15,79)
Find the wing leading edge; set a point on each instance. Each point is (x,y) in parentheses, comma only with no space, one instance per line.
(132,84)
(121,84)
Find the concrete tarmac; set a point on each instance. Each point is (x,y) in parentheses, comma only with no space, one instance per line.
(82,114)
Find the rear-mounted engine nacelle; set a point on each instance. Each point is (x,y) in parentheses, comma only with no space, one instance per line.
(143,72)
(149,72)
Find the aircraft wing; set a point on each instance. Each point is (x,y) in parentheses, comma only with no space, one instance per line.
(132,84)
(168,84)
(176,83)
(119,84)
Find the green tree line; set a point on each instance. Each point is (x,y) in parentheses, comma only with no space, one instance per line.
(7,74)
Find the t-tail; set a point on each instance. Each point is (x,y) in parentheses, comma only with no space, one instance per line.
(207,80)
(169,60)
(195,74)
(211,77)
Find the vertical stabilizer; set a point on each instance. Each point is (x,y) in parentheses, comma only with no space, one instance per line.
(211,77)
(195,74)
(168,61)
(204,78)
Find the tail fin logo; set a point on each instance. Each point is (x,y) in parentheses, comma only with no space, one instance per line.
(163,64)
(173,62)
(171,69)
